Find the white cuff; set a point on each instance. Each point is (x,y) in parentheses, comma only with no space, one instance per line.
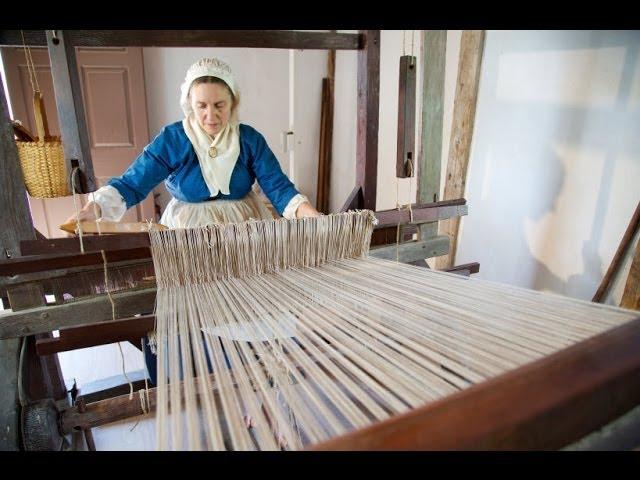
(112,204)
(290,210)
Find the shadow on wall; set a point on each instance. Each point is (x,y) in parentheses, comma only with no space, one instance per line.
(589,279)
(555,117)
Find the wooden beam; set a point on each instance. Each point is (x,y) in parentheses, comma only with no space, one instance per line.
(40,263)
(429,212)
(324,153)
(464,111)
(77,313)
(133,328)
(619,256)
(354,200)
(430,158)
(406,158)
(368,118)
(631,295)
(286,39)
(113,386)
(389,235)
(414,250)
(104,412)
(91,243)
(49,277)
(71,114)
(465,269)
(543,405)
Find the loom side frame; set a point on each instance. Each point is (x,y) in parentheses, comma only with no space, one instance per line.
(368,46)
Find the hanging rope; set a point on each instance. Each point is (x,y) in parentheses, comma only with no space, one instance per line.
(31,68)
(113,317)
(95,212)
(412,36)
(75,206)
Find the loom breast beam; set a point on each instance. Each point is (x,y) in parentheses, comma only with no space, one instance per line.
(71,114)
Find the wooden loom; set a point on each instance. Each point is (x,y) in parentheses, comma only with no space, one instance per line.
(602,394)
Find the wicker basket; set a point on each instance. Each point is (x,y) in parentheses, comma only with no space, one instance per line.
(42,161)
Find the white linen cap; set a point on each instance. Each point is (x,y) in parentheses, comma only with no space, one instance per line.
(205,67)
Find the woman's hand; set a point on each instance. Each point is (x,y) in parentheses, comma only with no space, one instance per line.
(87,214)
(306,210)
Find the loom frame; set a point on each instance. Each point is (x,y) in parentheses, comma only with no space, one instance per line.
(26,293)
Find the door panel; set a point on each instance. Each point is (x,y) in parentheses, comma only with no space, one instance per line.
(112,82)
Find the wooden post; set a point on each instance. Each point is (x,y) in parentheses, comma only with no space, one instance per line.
(43,373)
(631,295)
(368,117)
(430,158)
(326,136)
(73,125)
(618,258)
(15,225)
(464,111)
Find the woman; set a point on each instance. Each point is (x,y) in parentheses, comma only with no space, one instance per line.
(209,162)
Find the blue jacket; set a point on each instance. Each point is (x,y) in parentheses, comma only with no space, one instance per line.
(171,157)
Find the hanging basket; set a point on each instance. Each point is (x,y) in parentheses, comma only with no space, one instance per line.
(42,160)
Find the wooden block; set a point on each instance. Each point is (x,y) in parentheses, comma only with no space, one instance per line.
(405,162)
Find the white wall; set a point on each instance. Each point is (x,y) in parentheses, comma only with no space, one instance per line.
(310,67)
(554,172)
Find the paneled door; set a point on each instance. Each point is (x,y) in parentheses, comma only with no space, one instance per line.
(115,106)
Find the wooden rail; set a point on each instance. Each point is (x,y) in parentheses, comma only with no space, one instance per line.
(74,314)
(286,39)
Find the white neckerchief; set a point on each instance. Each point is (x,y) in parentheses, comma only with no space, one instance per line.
(216,171)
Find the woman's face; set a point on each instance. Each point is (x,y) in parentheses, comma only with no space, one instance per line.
(212,104)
